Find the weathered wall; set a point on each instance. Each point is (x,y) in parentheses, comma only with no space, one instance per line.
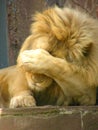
(19,18)
(49,118)
(3,35)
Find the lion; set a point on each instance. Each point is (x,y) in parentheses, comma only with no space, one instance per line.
(57,64)
(67,52)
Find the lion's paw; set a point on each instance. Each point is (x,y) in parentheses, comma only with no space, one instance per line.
(22,101)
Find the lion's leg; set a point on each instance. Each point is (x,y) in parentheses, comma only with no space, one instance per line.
(18,88)
(20,93)
(40,61)
(89,98)
(23,99)
(14,89)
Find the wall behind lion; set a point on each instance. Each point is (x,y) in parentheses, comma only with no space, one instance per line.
(3,35)
(19,20)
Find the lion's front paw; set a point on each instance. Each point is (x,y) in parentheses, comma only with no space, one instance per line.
(37,60)
(22,101)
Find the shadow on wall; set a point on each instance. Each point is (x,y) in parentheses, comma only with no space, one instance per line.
(59,3)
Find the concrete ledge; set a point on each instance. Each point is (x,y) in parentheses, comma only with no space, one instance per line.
(49,118)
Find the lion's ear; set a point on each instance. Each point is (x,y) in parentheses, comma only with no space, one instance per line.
(87,49)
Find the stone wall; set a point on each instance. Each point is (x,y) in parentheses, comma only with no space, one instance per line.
(49,118)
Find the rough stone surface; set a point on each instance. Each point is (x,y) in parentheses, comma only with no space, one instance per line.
(49,118)
(90,120)
(19,21)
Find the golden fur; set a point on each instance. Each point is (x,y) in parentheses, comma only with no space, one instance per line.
(13,84)
(71,35)
(60,65)
(15,91)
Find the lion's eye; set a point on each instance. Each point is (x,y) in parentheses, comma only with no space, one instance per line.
(85,53)
(87,49)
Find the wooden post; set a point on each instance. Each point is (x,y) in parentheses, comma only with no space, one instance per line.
(3,35)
